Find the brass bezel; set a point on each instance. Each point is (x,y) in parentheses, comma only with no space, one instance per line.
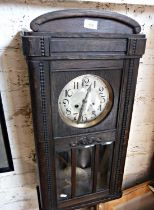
(97,119)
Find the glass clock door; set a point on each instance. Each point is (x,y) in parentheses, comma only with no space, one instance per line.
(83,170)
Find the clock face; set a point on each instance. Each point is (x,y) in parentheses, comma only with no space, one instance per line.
(85,101)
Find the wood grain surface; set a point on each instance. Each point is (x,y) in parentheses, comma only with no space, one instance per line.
(17,189)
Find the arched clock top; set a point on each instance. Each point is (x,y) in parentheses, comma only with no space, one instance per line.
(73,21)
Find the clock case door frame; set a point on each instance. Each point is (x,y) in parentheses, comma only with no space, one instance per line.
(43,49)
(46,149)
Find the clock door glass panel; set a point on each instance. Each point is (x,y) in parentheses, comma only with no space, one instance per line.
(103,172)
(63,173)
(84,167)
(83,170)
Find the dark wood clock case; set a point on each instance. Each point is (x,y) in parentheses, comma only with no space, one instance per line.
(81,167)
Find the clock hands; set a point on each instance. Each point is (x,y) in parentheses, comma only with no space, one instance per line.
(83,104)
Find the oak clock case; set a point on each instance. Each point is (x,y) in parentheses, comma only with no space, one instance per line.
(82,78)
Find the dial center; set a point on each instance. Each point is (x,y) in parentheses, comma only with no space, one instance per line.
(76,106)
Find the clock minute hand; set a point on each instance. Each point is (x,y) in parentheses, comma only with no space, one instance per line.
(83,103)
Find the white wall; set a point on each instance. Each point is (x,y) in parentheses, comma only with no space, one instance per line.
(17,188)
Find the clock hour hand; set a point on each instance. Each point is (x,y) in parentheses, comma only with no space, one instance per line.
(83,104)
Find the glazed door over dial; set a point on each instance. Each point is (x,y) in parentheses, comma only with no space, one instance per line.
(85,101)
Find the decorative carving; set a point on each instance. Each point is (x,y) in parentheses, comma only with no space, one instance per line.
(43,103)
(132,43)
(42,46)
(87,141)
(46,143)
(134,46)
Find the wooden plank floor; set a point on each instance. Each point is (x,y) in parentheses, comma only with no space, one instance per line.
(129,195)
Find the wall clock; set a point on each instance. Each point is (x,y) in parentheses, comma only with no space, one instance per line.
(82,68)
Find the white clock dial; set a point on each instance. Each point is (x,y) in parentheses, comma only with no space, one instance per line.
(85,101)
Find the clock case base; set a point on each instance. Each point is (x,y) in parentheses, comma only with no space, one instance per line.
(106,199)
(59,49)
